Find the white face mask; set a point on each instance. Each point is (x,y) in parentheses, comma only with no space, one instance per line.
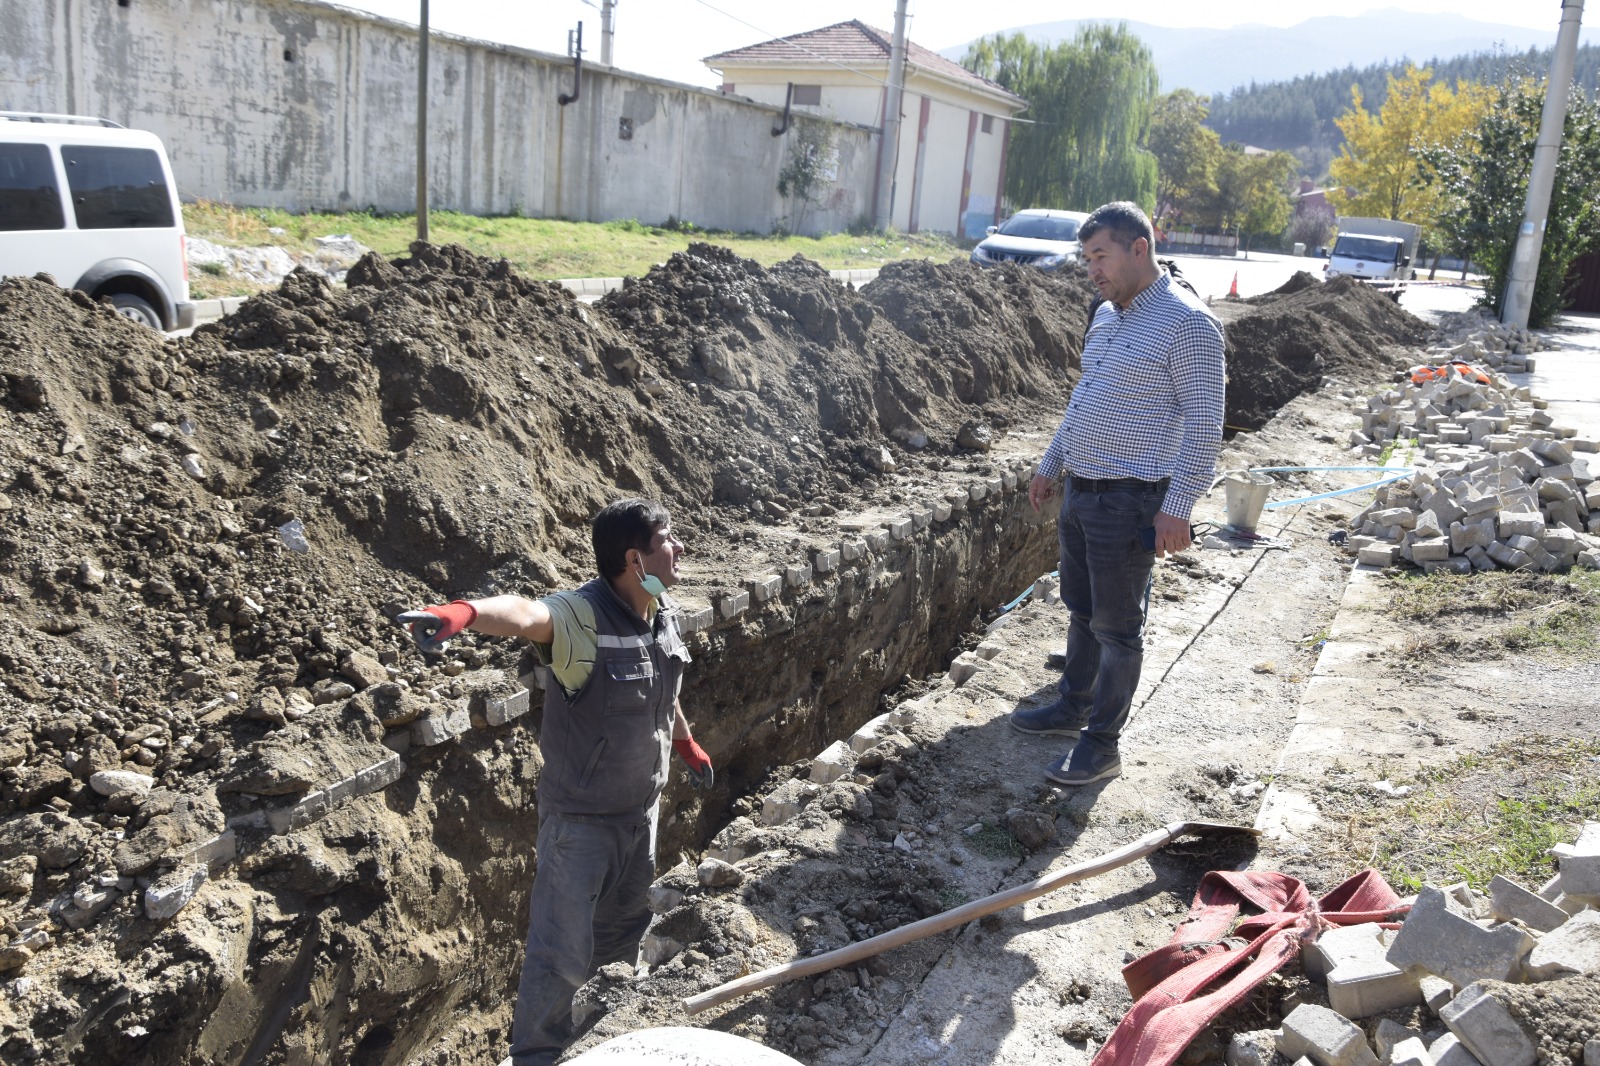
(650,583)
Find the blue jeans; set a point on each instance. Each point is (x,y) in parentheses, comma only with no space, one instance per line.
(589,907)
(1105,578)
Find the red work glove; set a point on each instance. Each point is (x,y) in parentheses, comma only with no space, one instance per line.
(432,626)
(695,758)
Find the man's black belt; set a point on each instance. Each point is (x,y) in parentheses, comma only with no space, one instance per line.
(1116,484)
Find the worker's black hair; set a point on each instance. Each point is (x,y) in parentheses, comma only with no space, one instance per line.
(621,527)
(1124,220)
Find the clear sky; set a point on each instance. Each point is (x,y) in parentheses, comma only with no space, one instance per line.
(668,38)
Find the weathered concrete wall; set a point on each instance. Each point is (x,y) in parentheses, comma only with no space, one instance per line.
(295,104)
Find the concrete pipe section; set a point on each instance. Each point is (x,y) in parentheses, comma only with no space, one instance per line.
(682,1045)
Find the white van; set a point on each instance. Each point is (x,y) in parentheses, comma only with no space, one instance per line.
(94,206)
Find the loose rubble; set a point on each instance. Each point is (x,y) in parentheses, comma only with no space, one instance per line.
(1497,485)
(1464,980)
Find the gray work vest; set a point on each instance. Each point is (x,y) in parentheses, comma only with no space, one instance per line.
(606,748)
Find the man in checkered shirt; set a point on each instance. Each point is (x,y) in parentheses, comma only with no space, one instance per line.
(1137,447)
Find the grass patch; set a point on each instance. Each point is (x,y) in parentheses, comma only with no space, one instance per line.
(995,842)
(549,248)
(1511,610)
(1482,814)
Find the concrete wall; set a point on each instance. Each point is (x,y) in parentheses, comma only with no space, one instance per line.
(295,104)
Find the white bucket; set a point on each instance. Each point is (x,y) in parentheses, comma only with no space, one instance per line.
(1245,493)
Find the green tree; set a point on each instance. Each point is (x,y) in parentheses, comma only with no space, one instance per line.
(1484,176)
(1089,115)
(1187,154)
(1251,193)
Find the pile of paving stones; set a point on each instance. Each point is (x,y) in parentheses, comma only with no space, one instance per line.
(1476,336)
(1497,484)
(1514,980)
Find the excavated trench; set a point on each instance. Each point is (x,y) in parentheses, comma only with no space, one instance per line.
(242,820)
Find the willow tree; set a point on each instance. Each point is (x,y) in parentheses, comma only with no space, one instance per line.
(1090,100)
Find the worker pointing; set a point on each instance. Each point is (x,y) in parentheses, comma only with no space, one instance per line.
(617,656)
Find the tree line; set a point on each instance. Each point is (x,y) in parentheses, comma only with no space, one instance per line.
(1301,115)
(1441,148)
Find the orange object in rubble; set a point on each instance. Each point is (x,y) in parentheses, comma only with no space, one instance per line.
(1423,374)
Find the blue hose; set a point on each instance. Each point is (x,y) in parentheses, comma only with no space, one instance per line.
(1401,472)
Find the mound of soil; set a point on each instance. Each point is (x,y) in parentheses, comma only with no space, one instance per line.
(1280,344)
(203,543)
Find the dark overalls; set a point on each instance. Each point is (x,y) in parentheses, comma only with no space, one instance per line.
(605,762)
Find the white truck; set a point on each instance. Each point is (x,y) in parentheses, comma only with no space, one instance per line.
(1374,249)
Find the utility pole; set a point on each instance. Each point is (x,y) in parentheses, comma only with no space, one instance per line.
(422,124)
(1546,151)
(608,29)
(889,146)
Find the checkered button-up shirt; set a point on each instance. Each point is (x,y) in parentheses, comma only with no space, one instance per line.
(1149,403)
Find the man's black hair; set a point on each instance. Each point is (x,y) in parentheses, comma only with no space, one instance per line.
(621,527)
(1124,220)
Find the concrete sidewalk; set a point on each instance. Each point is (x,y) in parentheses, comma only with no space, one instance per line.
(1569,379)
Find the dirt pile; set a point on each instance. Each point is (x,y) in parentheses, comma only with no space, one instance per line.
(202,543)
(1281,343)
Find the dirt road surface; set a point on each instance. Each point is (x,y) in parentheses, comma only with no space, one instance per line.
(241,820)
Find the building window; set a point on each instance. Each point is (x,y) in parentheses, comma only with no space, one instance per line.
(808,95)
(988,123)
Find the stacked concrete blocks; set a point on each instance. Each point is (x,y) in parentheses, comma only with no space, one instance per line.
(1513,494)
(1453,954)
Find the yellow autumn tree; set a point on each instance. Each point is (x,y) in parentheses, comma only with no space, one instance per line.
(1377,173)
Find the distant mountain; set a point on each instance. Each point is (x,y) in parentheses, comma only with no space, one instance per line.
(1213,61)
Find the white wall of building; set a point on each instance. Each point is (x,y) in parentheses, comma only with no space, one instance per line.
(925,198)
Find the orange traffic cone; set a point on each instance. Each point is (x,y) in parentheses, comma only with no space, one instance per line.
(1233,290)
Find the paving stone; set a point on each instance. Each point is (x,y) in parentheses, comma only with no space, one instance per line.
(1512,901)
(797,575)
(316,805)
(696,620)
(833,762)
(1519,523)
(1448,1050)
(172,891)
(1573,948)
(764,588)
(901,528)
(1487,1029)
(1436,992)
(509,708)
(826,560)
(733,604)
(1580,868)
(977,491)
(921,519)
(444,723)
(872,732)
(1325,1037)
(1591,1050)
(1411,1052)
(1431,549)
(941,511)
(1390,1034)
(851,549)
(1438,938)
(962,669)
(878,540)
(1361,980)
(1377,555)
